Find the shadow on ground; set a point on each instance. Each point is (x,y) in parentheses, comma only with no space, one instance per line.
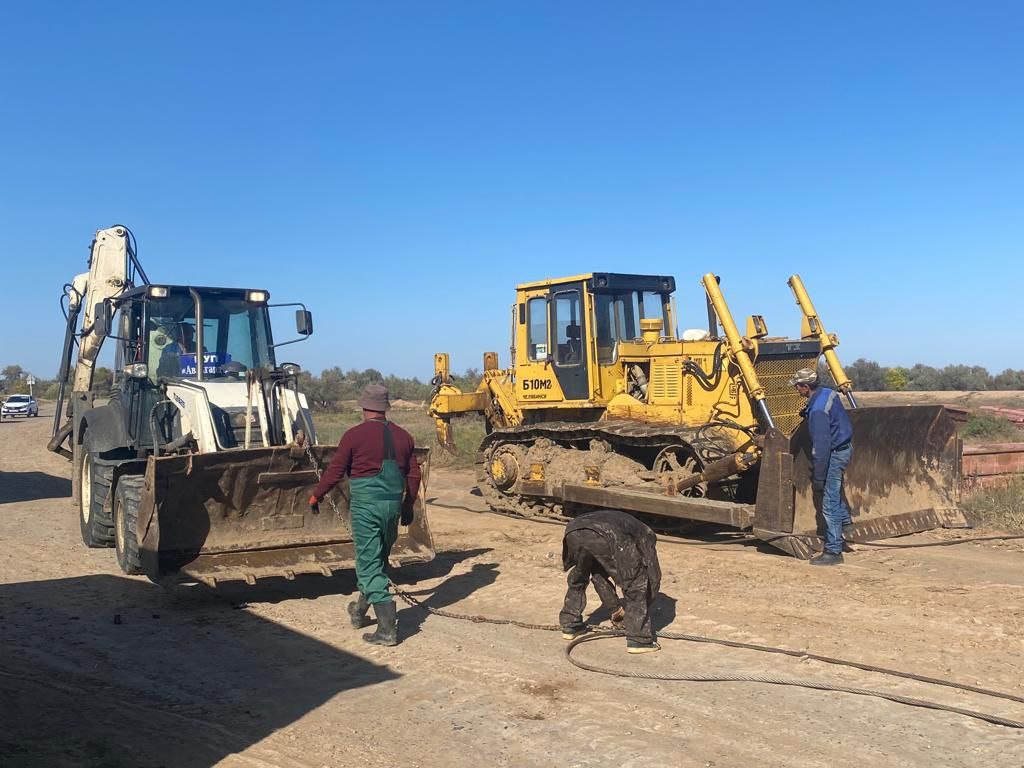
(341,582)
(109,671)
(32,486)
(448,592)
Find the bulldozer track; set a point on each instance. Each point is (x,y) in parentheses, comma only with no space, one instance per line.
(635,435)
(632,433)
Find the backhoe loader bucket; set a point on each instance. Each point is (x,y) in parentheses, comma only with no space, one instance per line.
(244,514)
(904,477)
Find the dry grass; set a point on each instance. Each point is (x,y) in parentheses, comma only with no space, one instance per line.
(1002,398)
(986,428)
(468,430)
(999,508)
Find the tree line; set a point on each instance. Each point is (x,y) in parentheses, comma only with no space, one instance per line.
(331,389)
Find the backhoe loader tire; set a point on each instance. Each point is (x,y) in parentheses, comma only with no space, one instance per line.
(94,516)
(126,515)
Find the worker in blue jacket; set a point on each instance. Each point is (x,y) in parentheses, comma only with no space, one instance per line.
(831,449)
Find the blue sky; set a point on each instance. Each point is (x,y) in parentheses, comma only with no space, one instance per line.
(400,166)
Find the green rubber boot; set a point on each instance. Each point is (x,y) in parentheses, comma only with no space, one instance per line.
(357,612)
(387,625)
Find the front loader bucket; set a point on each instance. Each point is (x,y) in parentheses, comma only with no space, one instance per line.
(244,514)
(904,477)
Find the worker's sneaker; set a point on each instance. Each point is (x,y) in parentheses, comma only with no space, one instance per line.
(357,612)
(387,625)
(572,634)
(635,646)
(828,558)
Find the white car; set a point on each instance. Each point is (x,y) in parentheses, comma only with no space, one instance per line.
(19,405)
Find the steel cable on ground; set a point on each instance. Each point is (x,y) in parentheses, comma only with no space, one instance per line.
(771,680)
(601,633)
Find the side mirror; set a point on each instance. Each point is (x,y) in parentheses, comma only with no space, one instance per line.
(304,322)
(103,319)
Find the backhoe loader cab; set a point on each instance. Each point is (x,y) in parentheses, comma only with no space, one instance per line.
(202,462)
(605,404)
(160,332)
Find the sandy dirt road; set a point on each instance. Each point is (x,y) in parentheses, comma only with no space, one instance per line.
(100,669)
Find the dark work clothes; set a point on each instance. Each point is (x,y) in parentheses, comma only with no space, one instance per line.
(361,454)
(611,545)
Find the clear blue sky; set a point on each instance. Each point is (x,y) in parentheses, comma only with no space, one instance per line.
(400,166)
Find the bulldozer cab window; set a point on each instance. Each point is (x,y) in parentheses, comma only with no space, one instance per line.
(569,336)
(537,317)
(652,306)
(618,318)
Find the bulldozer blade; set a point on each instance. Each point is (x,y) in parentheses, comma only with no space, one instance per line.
(903,477)
(244,515)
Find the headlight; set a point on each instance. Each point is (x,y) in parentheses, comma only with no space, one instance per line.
(157,291)
(136,371)
(257,297)
(291,369)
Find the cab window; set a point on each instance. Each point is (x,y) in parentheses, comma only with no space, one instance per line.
(617,319)
(652,306)
(537,320)
(568,329)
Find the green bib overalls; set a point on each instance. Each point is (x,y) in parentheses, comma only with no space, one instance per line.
(376,506)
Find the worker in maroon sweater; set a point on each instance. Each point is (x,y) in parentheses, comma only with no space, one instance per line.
(384,478)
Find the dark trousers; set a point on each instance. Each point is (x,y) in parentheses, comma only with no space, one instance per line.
(594,564)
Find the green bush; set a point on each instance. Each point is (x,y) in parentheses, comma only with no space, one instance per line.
(984,426)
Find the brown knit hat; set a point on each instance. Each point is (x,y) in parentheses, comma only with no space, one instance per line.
(375,398)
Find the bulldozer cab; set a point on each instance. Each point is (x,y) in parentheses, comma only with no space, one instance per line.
(567,333)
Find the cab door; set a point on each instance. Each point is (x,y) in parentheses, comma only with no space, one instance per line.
(569,334)
(536,384)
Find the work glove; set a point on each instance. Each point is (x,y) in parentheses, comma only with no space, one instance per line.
(618,618)
(818,486)
(407,513)
(314,504)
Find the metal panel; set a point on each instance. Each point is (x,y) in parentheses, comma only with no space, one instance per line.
(705,510)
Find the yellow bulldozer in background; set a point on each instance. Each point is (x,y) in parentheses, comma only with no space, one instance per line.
(605,405)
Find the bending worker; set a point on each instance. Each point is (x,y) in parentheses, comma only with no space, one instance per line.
(384,478)
(831,449)
(611,546)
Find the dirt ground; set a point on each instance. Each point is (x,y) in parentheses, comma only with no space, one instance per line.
(99,669)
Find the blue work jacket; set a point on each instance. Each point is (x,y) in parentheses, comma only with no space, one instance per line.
(829,427)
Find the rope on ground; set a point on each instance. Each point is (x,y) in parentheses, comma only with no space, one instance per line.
(602,633)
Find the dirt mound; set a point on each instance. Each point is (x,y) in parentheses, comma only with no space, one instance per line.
(407,405)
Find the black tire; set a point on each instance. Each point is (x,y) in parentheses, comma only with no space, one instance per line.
(94,515)
(126,515)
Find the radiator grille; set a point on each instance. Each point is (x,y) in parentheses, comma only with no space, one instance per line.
(783,402)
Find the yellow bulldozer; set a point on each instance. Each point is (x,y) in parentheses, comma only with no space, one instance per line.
(604,404)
